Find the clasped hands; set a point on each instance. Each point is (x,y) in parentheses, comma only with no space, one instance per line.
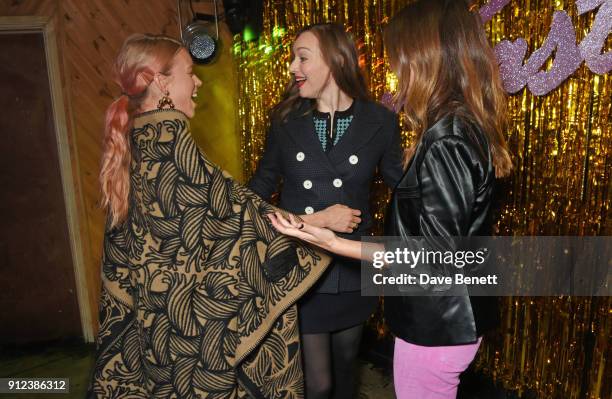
(290,226)
(318,228)
(339,218)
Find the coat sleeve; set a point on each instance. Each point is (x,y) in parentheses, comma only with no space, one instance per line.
(266,179)
(391,161)
(274,270)
(116,306)
(117,328)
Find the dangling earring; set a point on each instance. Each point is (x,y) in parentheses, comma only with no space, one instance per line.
(165,100)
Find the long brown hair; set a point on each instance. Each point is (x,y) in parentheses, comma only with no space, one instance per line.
(340,54)
(445,64)
(140,58)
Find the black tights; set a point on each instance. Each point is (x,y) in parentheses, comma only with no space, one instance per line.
(329,363)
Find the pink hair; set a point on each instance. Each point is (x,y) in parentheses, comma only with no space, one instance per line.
(140,58)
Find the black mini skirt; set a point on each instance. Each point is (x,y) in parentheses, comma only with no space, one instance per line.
(320,313)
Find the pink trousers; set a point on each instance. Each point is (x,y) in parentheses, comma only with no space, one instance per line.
(424,372)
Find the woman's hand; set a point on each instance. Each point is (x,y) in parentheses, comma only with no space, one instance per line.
(318,236)
(338,217)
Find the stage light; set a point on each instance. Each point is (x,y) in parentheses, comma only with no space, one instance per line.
(244,17)
(201,36)
(248,34)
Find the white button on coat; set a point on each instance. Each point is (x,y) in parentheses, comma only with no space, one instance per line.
(353,159)
(337,183)
(309,210)
(300,156)
(307,184)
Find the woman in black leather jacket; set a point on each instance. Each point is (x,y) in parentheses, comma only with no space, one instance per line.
(451,93)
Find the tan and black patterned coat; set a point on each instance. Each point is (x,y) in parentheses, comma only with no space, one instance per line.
(199,290)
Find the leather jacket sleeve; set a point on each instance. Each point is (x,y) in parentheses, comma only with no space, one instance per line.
(447,176)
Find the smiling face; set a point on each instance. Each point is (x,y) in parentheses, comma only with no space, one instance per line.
(183,84)
(312,75)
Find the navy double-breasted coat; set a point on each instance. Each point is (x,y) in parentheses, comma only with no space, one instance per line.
(310,179)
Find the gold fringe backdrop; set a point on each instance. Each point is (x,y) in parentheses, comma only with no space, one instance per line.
(561,143)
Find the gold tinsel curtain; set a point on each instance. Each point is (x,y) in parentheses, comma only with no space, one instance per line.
(562,148)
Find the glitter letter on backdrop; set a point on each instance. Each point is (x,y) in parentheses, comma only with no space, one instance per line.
(591,46)
(562,39)
(561,143)
(491,8)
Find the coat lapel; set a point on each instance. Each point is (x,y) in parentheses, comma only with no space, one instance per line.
(364,126)
(301,130)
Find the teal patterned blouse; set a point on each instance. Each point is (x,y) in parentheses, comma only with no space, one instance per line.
(342,121)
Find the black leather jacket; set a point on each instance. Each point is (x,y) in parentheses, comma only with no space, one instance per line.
(445,192)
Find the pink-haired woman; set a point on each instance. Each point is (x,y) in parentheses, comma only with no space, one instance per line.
(198,290)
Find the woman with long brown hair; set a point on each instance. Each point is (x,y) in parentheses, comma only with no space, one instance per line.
(326,141)
(198,290)
(451,93)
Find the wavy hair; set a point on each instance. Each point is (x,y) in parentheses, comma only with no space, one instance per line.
(444,63)
(339,52)
(140,58)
